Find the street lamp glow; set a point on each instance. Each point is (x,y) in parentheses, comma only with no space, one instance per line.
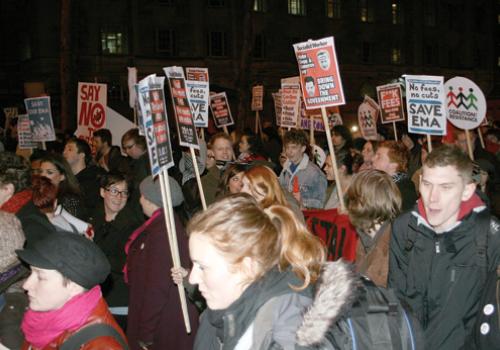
(354,128)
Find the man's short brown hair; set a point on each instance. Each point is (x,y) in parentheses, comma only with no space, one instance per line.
(445,155)
(296,136)
(397,153)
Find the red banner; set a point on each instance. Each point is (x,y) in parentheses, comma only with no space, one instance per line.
(335,230)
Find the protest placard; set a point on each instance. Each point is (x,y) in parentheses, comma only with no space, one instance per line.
(336,232)
(367,118)
(91,110)
(425,104)
(220,110)
(465,103)
(257,97)
(277,106)
(290,104)
(391,103)
(314,116)
(155,123)
(152,102)
(319,73)
(24,135)
(197,74)
(198,94)
(182,110)
(198,87)
(40,115)
(138,113)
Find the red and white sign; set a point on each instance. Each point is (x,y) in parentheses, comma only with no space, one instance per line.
(391,103)
(198,74)
(92,102)
(319,73)
(220,110)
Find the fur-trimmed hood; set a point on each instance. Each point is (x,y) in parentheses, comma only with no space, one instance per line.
(337,289)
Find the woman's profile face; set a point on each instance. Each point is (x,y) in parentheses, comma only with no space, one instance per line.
(248,188)
(235,183)
(219,282)
(367,152)
(50,171)
(244,145)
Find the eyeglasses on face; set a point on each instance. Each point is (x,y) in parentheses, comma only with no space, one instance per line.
(128,146)
(115,192)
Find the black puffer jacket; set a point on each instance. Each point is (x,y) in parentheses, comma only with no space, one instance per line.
(438,275)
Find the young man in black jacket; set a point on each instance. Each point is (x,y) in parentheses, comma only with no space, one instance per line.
(441,251)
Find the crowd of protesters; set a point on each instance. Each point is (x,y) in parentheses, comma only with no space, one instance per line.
(88,220)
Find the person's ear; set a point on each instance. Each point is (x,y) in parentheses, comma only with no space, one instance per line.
(250,267)
(303,149)
(468,191)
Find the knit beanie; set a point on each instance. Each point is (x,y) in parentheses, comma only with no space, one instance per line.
(151,190)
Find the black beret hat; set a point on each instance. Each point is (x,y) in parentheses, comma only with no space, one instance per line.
(74,256)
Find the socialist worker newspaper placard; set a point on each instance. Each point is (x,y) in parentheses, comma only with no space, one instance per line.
(319,73)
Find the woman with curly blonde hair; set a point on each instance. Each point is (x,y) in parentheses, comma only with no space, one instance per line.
(255,268)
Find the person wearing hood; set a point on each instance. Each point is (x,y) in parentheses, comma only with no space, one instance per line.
(441,250)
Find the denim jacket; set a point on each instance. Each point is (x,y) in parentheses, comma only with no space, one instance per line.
(312,182)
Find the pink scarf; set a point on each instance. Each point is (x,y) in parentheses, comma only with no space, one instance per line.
(40,328)
(134,236)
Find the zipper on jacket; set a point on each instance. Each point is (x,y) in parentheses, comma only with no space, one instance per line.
(438,248)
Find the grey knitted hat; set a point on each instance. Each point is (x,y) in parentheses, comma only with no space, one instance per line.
(151,190)
(11,238)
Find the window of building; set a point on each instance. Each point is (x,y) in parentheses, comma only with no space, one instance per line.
(366,52)
(333,8)
(113,43)
(396,11)
(297,7)
(366,11)
(215,3)
(259,46)
(217,44)
(260,5)
(430,13)
(396,55)
(166,41)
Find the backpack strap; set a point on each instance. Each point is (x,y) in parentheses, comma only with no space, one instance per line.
(481,241)
(92,332)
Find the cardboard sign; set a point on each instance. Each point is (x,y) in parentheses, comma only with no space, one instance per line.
(277,106)
(198,87)
(183,116)
(24,135)
(198,94)
(155,123)
(40,115)
(465,103)
(290,104)
(367,118)
(92,102)
(220,110)
(333,115)
(336,232)
(257,97)
(198,74)
(391,103)
(425,104)
(319,73)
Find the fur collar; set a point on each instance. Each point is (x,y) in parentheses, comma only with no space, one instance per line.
(336,291)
